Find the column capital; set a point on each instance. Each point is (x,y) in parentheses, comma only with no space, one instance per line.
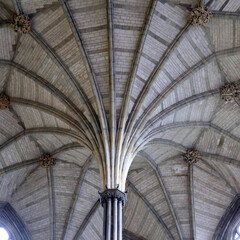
(113,194)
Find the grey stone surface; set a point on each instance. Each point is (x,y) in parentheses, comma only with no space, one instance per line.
(117,91)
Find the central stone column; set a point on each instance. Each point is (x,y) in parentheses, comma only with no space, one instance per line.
(113,201)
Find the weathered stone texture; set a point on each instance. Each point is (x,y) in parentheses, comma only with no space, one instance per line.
(165,75)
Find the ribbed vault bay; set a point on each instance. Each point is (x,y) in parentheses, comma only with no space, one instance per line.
(117,91)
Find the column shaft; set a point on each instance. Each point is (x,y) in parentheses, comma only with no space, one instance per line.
(119,221)
(115,219)
(109,219)
(104,219)
(112,201)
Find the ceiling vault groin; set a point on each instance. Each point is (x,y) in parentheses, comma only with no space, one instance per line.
(132,123)
(109,94)
(131,236)
(129,88)
(134,189)
(142,121)
(60,95)
(55,57)
(86,220)
(43,130)
(48,109)
(182,149)
(141,97)
(20,184)
(225,14)
(75,195)
(91,73)
(150,81)
(180,105)
(205,157)
(199,124)
(47,85)
(113,122)
(216,172)
(94,124)
(165,191)
(101,113)
(196,67)
(37,37)
(30,162)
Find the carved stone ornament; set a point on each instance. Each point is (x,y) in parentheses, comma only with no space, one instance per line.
(20,23)
(199,16)
(113,194)
(229,92)
(4,101)
(191,156)
(46,161)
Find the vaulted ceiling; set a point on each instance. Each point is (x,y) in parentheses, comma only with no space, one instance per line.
(129,83)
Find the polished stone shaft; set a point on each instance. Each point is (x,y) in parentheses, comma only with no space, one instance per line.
(112,201)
